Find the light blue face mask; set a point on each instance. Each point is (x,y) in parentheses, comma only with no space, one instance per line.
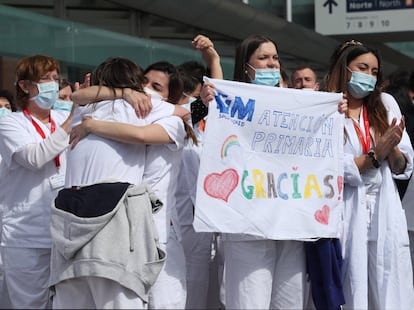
(47,96)
(63,105)
(268,76)
(4,112)
(361,85)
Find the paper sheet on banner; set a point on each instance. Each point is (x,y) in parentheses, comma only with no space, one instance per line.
(272,163)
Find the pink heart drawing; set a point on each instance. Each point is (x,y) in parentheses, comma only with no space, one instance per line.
(221,185)
(322,216)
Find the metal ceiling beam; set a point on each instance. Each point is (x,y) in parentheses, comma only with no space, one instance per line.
(238,20)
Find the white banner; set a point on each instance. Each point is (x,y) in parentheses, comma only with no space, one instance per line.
(272,163)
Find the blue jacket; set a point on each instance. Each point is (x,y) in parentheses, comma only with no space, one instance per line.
(324,267)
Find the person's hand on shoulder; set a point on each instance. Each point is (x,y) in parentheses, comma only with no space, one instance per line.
(141,102)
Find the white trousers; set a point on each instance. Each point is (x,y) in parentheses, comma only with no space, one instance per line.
(4,296)
(265,274)
(197,249)
(169,291)
(95,293)
(26,277)
(411,238)
(216,293)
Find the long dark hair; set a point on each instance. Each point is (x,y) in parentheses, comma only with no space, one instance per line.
(175,89)
(118,72)
(336,80)
(191,73)
(243,53)
(175,84)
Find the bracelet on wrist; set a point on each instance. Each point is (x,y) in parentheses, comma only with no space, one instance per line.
(374,160)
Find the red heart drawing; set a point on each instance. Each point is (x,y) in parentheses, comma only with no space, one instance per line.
(322,216)
(221,185)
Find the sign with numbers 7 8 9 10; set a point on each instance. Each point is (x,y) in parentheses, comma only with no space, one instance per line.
(334,17)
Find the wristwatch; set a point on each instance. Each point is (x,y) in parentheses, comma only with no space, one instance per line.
(374,160)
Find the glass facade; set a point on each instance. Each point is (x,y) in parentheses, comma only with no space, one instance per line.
(78,47)
(30,29)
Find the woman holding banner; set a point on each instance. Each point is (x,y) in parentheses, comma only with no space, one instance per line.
(377,269)
(261,273)
(278,280)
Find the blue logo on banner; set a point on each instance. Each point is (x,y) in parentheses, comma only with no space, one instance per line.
(235,108)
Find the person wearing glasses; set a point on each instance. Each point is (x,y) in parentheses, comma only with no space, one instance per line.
(32,146)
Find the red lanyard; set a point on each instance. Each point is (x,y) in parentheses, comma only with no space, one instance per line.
(40,131)
(366,143)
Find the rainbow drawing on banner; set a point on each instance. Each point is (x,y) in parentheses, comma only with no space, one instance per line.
(228,143)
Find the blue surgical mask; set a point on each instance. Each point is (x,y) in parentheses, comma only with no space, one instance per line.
(4,112)
(47,96)
(63,105)
(361,85)
(268,76)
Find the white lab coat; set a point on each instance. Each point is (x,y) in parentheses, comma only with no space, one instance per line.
(392,273)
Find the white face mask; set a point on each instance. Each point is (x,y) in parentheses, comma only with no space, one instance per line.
(191,99)
(153,93)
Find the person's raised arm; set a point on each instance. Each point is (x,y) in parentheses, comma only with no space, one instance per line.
(209,55)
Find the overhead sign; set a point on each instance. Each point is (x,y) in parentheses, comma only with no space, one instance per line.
(363,16)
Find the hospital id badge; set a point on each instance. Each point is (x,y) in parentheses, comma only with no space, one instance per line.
(57,180)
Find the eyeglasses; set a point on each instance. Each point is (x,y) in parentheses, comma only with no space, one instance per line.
(47,78)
